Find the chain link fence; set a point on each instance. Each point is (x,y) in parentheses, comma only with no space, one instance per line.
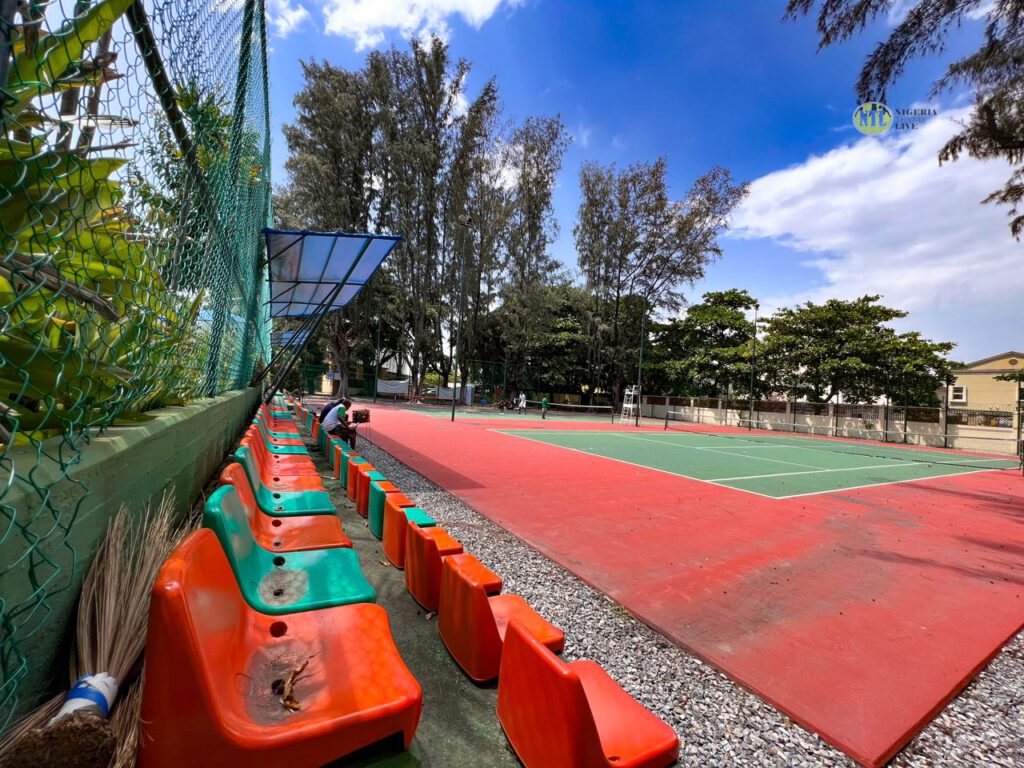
(134,183)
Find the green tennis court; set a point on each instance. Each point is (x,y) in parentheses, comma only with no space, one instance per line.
(777,466)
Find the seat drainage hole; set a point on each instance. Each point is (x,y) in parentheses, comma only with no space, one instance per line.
(278,560)
(277,495)
(276,523)
(277,687)
(278,629)
(277,543)
(277,479)
(278,592)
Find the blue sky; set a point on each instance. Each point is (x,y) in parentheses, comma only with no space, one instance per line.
(831,212)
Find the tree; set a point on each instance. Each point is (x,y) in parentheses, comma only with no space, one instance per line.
(993,72)
(330,155)
(632,240)
(708,351)
(822,351)
(533,157)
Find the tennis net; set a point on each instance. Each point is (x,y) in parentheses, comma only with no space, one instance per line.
(961,450)
(604,412)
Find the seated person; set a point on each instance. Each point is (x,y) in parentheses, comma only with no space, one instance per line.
(327,408)
(336,423)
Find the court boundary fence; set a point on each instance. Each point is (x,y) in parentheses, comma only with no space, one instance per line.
(947,427)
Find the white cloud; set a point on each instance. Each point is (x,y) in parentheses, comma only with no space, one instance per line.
(584,136)
(881,216)
(284,16)
(982,11)
(367,21)
(461,106)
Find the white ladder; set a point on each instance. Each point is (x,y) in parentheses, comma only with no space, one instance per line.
(630,402)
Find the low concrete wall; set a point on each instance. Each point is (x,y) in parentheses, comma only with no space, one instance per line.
(180,449)
(990,440)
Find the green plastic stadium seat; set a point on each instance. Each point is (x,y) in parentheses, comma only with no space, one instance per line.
(277,583)
(282,503)
(363,492)
(294,445)
(382,491)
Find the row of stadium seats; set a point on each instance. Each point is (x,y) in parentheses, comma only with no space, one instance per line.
(264,646)
(556,715)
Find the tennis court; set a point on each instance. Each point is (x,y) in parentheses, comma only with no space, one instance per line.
(601,414)
(858,613)
(775,465)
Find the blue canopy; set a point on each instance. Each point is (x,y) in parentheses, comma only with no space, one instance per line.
(307,268)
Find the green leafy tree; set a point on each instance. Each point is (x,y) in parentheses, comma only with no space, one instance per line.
(993,72)
(534,158)
(707,352)
(822,351)
(634,243)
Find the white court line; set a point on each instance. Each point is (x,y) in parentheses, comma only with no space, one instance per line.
(671,445)
(623,461)
(511,433)
(720,450)
(888,482)
(900,465)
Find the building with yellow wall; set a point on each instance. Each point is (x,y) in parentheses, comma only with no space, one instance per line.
(976,385)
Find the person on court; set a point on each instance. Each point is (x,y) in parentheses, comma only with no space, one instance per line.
(522,402)
(544,407)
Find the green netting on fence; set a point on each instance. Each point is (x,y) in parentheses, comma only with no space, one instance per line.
(134,182)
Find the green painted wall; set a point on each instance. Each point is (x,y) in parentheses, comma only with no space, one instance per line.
(180,450)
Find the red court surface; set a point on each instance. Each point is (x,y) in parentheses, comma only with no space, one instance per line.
(858,613)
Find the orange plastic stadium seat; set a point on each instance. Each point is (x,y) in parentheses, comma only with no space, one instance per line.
(472,623)
(354,468)
(284,534)
(280,423)
(425,549)
(559,715)
(380,492)
(366,477)
(228,686)
(396,520)
(295,453)
(280,465)
(274,437)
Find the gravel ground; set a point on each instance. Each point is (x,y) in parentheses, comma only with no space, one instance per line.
(718,722)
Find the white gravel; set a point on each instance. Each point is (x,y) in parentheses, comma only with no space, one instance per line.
(718,722)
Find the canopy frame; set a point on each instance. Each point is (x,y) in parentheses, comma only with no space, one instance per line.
(289,275)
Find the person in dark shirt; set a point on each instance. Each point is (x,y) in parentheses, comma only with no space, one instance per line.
(327,408)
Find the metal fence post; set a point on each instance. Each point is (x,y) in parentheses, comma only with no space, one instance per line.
(944,417)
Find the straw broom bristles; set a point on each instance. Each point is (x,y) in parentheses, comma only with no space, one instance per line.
(110,637)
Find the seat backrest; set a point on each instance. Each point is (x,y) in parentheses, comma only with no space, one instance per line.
(234,475)
(542,705)
(223,514)
(259,449)
(197,616)
(245,456)
(463,602)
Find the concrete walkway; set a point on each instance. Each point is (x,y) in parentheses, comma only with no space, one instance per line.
(459,727)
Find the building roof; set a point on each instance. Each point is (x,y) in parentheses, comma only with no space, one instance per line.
(985,360)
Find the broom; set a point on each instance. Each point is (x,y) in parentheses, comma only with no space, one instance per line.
(110,637)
